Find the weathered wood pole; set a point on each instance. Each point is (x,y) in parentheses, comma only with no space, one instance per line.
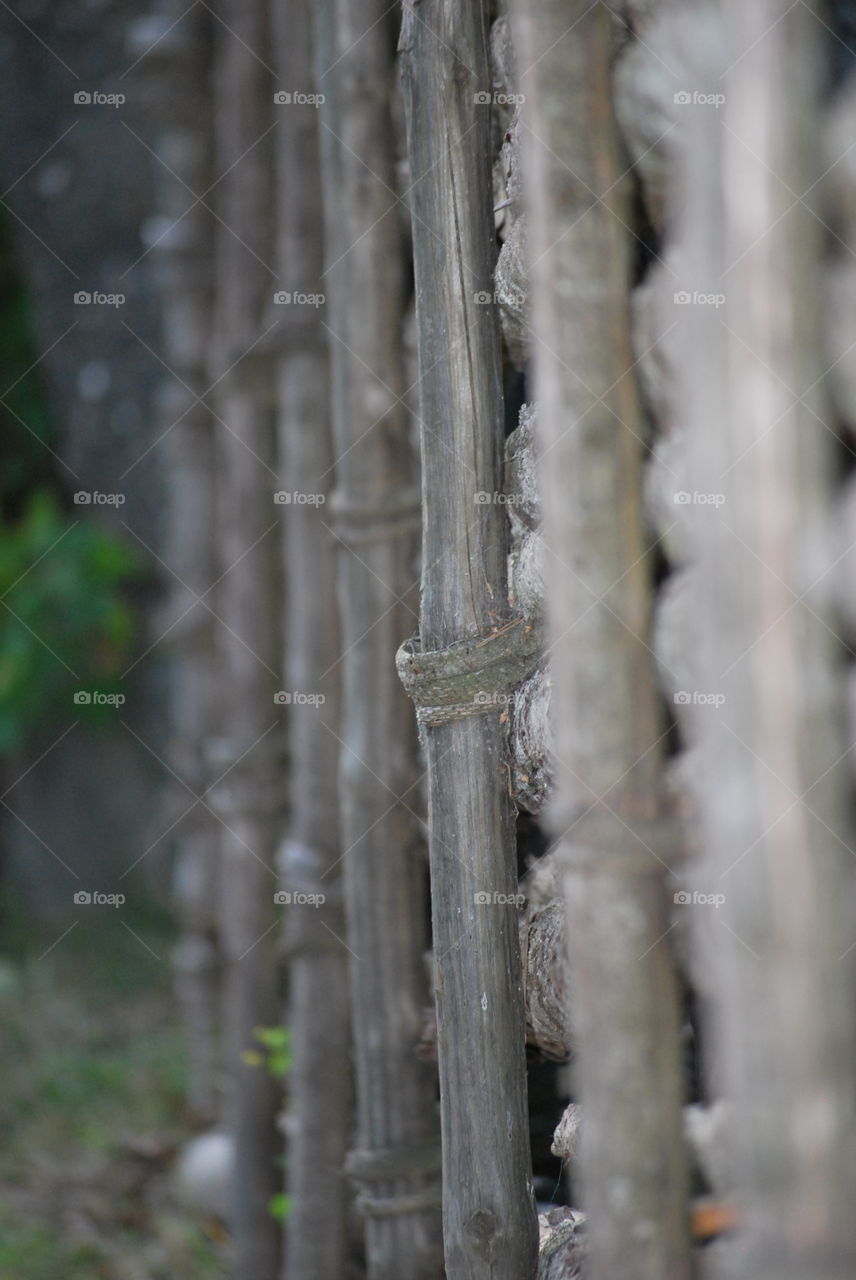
(177,46)
(777,808)
(249,796)
(489,1223)
(374,514)
(607,812)
(320,1080)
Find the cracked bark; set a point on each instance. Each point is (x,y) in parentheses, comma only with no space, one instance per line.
(488,1212)
(374,514)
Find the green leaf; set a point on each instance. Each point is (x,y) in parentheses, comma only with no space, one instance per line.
(272,1037)
(279,1206)
(66,624)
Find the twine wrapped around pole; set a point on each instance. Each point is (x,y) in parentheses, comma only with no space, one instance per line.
(468,677)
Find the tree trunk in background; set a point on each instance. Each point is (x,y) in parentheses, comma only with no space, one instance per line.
(607,813)
(777,822)
(319,1083)
(467,646)
(178,64)
(249,795)
(374,514)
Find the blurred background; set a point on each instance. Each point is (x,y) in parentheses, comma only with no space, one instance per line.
(95,1103)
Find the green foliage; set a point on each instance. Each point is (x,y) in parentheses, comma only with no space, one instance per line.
(279,1206)
(34,1253)
(276,1042)
(29,1252)
(85,1093)
(100,1067)
(65,625)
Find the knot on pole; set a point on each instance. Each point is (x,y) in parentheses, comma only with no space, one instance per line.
(389,1164)
(471,677)
(357,521)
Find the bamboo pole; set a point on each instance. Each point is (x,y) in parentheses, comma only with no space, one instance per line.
(177,70)
(249,797)
(777,808)
(374,514)
(607,814)
(320,1080)
(488,1211)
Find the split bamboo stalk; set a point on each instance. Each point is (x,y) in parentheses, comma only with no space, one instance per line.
(488,1211)
(607,815)
(249,796)
(375,514)
(320,1080)
(777,805)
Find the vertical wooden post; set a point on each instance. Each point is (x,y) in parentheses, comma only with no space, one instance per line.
(320,1079)
(608,811)
(374,514)
(249,797)
(488,1211)
(178,65)
(777,804)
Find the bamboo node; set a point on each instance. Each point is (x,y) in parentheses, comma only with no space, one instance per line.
(358,521)
(386,1164)
(391,1206)
(382,1164)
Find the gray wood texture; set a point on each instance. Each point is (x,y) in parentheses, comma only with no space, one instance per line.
(374,516)
(249,790)
(776,806)
(488,1212)
(320,1084)
(607,814)
(176,73)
